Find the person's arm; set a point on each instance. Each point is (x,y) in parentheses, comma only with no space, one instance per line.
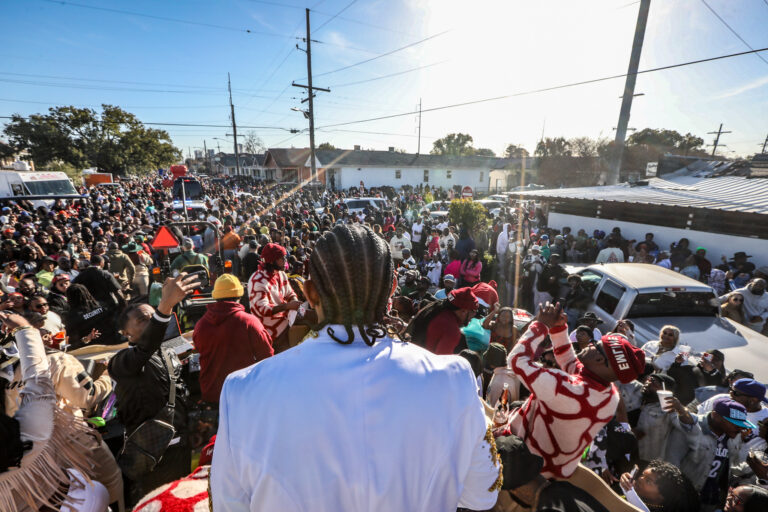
(226,491)
(74,384)
(563,350)
(259,340)
(131,360)
(130,270)
(489,320)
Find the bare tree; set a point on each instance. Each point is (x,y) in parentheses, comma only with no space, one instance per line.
(252,143)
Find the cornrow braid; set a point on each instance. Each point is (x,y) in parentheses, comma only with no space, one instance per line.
(352,270)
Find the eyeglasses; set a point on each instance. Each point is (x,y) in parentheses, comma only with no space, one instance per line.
(736,393)
(41,305)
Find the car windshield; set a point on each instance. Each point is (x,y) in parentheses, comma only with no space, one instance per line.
(50,188)
(357,204)
(673,303)
(192,189)
(491,204)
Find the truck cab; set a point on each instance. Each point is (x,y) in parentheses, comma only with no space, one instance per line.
(652,297)
(188,191)
(36,186)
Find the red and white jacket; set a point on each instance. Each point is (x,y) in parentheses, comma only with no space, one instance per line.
(567,406)
(264,293)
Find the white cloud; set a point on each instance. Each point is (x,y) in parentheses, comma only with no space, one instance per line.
(749,86)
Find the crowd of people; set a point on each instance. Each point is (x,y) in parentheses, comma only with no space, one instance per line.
(405,362)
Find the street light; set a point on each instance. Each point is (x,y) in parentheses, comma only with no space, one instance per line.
(305,112)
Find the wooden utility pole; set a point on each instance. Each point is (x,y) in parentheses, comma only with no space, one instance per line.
(629,92)
(765,144)
(310,95)
(717,138)
(418,147)
(234,125)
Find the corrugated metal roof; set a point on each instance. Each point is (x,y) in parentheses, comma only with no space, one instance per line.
(729,193)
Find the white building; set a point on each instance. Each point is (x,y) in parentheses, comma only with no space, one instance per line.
(343,169)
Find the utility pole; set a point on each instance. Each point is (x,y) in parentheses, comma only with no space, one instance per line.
(717,138)
(310,95)
(208,157)
(418,147)
(234,125)
(765,144)
(629,91)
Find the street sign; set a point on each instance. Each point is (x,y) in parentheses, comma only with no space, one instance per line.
(466,192)
(164,239)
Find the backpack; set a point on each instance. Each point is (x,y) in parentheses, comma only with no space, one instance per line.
(417,327)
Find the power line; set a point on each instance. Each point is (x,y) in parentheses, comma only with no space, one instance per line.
(733,31)
(388,76)
(9,100)
(350,4)
(58,77)
(104,88)
(165,18)
(192,124)
(545,89)
(383,54)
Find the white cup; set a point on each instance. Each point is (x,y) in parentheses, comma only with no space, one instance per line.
(663,395)
(685,350)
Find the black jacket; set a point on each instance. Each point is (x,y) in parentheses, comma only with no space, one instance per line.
(102,285)
(142,379)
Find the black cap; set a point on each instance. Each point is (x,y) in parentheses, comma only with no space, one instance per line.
(590,316)
(520,465)
(495,356)
(668,382)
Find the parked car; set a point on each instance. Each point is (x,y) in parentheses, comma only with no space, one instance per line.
(652,297)
(358,204)
(437,206)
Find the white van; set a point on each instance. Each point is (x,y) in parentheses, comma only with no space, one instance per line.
(36,186)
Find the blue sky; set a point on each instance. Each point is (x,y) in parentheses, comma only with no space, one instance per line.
(166,71)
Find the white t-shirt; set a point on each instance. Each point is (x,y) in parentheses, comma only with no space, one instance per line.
(326,427)
(417,230)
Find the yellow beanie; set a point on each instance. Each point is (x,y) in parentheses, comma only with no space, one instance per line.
(227,286)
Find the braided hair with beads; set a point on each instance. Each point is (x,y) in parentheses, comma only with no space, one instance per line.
(352,270)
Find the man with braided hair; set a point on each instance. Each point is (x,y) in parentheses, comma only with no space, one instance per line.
(353,419)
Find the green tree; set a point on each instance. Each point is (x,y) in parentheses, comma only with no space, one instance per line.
(325,145)
(468,213)
(552,147)
(583,146)
(515,151)
(655,137)
(454,144)
(484,152)
(113,140)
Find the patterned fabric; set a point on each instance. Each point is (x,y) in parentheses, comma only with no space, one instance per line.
(566,409)
(264,293)
(190,494)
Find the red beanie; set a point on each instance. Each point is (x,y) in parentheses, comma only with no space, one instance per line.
(627,360)
(486,293)
(463,298)
(272,252)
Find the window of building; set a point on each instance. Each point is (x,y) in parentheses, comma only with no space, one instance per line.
(482,175)
(449,174)
(426,175)
(398,174)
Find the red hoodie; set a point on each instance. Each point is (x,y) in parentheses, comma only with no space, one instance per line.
(228,339)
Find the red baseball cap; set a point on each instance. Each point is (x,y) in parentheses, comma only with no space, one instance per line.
(627,360)
(463,298)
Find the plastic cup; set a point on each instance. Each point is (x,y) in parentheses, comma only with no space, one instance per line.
(663,395)
(685,351)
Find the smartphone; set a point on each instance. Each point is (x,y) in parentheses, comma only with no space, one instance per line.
(633,472)
(202,277)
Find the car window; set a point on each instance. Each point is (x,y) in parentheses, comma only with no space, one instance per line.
(609,296)
(357,204)
(673,303)
(590,280)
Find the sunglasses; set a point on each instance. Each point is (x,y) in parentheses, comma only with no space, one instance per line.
(599,348)
(736,393)
(43,305)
